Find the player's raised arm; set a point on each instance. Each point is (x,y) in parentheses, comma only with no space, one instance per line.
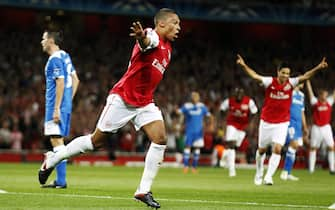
(305,128)
(309,90)
(307,75)
(139,34)
(247,69)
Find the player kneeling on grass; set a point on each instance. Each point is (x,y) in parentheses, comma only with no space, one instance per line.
(131,99)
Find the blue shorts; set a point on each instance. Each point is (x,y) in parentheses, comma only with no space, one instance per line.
(193,139)
(294,133)
(58,129)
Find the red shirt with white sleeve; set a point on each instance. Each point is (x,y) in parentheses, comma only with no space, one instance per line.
(239,111)
(145,71)
(278,99)
(322,111)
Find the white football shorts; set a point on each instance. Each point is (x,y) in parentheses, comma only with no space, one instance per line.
(234,134)
(321,133)
(270,133)
(117,114)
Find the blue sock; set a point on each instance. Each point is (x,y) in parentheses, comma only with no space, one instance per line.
(196,156)
(289,160)
(61,173)
(186,157)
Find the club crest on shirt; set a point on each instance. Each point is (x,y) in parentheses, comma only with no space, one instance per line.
(287,87)
(244,107)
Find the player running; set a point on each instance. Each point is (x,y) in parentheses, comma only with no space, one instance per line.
(131,99)
(239,107)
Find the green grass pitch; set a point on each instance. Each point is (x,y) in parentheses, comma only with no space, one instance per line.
(113,188)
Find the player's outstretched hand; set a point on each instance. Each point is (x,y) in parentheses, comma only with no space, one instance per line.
(137,31)
(240,60)
(323,64)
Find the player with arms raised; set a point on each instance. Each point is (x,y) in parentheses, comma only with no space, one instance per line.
(275,114)
(131,99)
(321,130)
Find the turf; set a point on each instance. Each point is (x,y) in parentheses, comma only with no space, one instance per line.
(113,188)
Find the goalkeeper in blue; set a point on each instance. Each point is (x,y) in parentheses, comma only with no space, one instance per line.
(296,130)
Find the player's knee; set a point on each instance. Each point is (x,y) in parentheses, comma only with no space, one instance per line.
(261,151)
(160,138)
(277,149)
(231,144)
(99,139)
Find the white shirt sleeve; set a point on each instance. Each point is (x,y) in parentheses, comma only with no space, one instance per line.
(153,37)
(294,81)
(330,100)
(224,105)
(252,106)
(266,81)
(314,100)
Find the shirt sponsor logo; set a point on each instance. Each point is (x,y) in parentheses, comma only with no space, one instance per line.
(297,101)
(322,108)
(195,112)
(160,67)
(238,113)
(279,95)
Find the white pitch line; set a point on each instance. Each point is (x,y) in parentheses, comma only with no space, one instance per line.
(3,191)
(175,200)
(332,206)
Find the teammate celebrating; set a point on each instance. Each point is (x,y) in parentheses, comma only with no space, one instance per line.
(194,114)
(239,107)
(131,99)
(321,129)
(61,86)
(295,134)
(275,114)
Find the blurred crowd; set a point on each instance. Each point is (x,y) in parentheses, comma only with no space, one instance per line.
(202,61)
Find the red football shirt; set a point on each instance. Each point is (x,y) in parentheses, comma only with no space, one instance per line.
(145,71)
(239,111)
(322,111)
(278,99)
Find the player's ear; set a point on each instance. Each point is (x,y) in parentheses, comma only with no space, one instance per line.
(161,23)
